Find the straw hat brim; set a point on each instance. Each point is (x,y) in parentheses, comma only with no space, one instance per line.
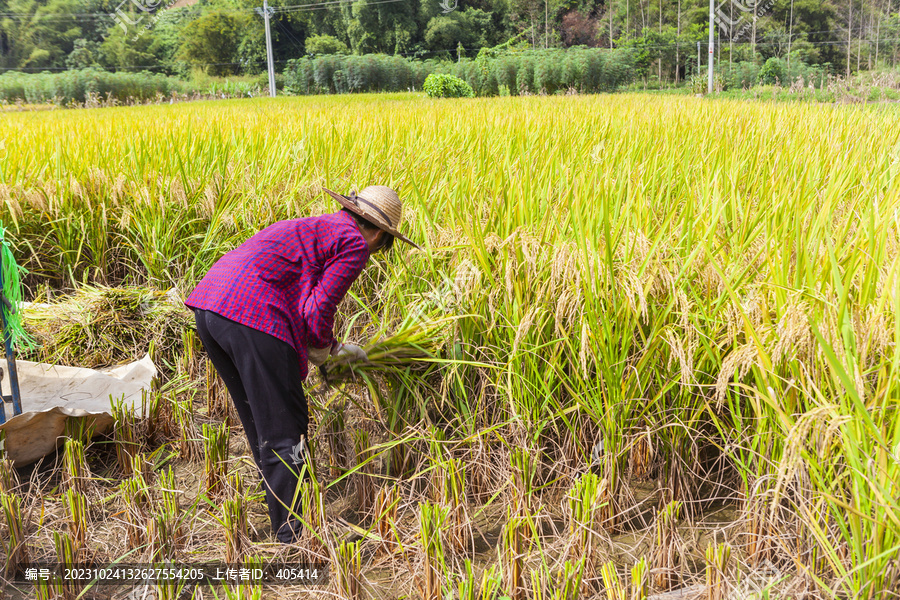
(370,216)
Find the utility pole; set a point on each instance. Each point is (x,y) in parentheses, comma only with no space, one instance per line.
(698,59)
(266,13)
(712,21)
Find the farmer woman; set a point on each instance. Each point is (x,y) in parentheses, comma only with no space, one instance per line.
(267,307)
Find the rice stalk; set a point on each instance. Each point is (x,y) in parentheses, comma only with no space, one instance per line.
(188,363)
(76,507)
(347,560)
(408,349)
(252,591)
(584,505)
(386,501)
(570,579)
(99,326)
(615,590)
(640,580)
(666,551)
(170,509)
(512,550)
(76,474)
(312,511)
(137,502)
(160,423)
(217,399)
(68,555)
(234,521)
(432,521)
(333,431)
(454,498)
(9,479)
(363,479)
(53,589)
(126,434)
(191,445)
(470,587)
(718,557)
(215,458)
(17,554)
(524,467)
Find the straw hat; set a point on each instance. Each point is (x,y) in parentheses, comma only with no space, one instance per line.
(378,204)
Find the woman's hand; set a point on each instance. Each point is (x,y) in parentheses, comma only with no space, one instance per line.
(350,353)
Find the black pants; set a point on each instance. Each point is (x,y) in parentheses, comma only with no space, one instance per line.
(262,374)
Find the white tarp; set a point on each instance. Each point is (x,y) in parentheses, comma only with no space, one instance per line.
(51,394)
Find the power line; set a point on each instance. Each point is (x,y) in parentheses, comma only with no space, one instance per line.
(313,6)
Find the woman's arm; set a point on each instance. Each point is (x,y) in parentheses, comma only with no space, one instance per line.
(341,270)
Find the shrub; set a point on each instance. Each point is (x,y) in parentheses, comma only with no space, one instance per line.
(325,44)
(75,85)
(262,81)
(447,86)
(772,72)
(740,75)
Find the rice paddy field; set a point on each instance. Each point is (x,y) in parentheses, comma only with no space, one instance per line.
(650,345)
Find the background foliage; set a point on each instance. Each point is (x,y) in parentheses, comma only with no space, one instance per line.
(225,37)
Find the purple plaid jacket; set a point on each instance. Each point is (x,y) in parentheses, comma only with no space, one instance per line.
(287,280)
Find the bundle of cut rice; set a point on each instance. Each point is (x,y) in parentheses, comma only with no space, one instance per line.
(102,326)
(413,349)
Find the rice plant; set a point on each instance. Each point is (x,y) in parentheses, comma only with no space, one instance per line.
(347,561)
(126,434)
(164,534)
(363,480)
(77,509)
(451,485)
(170,517)
(136,499)
(68,553)
(386,501)
(584,505)
(332,430)
(217,399)
(486,587)
(432,521)
(718,557)
(215,458)
(17,553)
(615,589)
(666,548)
(188,362)
(640,580)
(312,512)
(9,479)
(570,580)
(234,521)
(524,463)
(191,442)
(76,474)
(512,550)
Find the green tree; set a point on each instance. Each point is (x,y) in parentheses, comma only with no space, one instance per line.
(83,55)
(41,35)
(126,49)
(372,26)
(469,27)
(211,42)
(325,44)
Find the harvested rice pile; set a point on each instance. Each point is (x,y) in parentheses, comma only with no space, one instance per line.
(102,326)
